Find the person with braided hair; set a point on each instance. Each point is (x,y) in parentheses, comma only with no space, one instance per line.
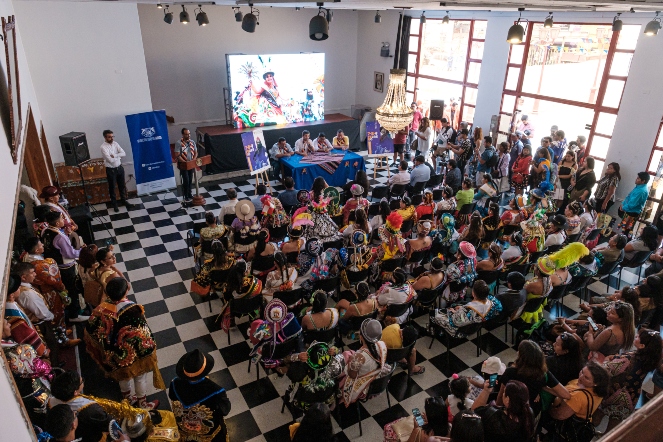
(282,278)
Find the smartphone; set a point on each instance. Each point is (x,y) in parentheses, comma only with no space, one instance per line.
(417,416)
(492,380)
(592,323)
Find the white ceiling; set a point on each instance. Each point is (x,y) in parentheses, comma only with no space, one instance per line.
(493,5)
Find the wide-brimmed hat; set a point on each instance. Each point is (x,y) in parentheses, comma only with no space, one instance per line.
(560,221)
(134,427)
(538,193)
(275,311)
(493,365)
(314,247)
(194,365)
(467,249)
(371,330)
(245,210)
(546,265)
(357,190)
(332,193)
(303,196)
(49,191)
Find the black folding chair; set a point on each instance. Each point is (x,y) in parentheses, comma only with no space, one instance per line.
(395,204)
(434,181)
(573,238)
(427,298)
(418,188)
(395,355)
(373,210)
(398,310)
(192,235)
(467,209)
(329,336)
(379,192)
(279,351)
(397,191)
(530,307)
(417,198)
(578,284)
(417,257)
(406,227)
(229,218)
(376,388)
(437,194)
(489,277)
(329,285)
(278,234)
(636,262)
(245,306)
(593,235)
(556,297)
(356,277)
(609,267)
(392,264)
(290,297)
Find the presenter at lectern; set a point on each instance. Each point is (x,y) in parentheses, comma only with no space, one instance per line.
(186,150)
(304,145)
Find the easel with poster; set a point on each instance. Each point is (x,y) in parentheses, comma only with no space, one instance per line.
(257,157)
(380,147)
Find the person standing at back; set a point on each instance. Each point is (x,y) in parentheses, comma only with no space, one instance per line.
(112,152)
(186,150)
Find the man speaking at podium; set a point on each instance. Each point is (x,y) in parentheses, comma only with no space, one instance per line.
(186,150)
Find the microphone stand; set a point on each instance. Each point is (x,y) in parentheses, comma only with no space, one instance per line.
(93,210)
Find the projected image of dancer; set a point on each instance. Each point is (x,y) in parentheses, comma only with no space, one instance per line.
(267,100)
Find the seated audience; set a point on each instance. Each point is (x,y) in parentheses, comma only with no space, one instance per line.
(512,419)
(398,291)
(594,379)
(514,297)
(612,250)
(432,279)
(448,202)
(426,209)
(556,231)
(567,360)
(316,424)
(288,197)
(396,337)
(212,231)
(614,338)
(482,307)
(453,177)
(466,194)
(646,242)
(318,316)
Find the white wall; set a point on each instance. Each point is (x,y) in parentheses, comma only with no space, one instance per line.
(89,69)
(186,64)
(14,425)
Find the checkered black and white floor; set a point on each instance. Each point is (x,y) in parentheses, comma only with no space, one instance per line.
(152,252)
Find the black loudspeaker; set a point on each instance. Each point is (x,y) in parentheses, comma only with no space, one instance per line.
(74,148)
(436,109)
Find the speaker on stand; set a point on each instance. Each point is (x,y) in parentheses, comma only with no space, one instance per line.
(436,110)
(76,152)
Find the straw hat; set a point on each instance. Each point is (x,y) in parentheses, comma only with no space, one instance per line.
(245,210)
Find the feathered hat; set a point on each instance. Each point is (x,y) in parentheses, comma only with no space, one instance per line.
(301,217)
(394,222)
(562,258)
(320,207)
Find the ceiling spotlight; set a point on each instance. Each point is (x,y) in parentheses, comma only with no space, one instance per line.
(250,20)
(549,21)
(654,25)
(330,15)
(159,5)
(184,16)
(517,31)
(318,27)
(238,14)
(617,23)
(445,19)
(378,17)
(167,15)
(201,16)
(422,19)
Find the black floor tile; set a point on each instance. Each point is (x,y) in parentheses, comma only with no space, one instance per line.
(236,353)
(158,209)
(163,223)
(390,414)
(258,392)
(170,237)
(166,338)
(141,219)
(224,379)
(124,230)
(281,433)
(136,264)
(185,315)
(178,254)
(176,289)
(402,387)
(242,427)
(131,245)
(144,284)
(162,269)
(202,343)
(155,308)
(155,250)
(147,234)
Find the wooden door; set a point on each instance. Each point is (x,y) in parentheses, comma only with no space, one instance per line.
(37,158)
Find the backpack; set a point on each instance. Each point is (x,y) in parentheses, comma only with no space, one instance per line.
(492,161)
(452,138)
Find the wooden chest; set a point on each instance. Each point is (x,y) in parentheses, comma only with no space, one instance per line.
(93,169)
(97,192)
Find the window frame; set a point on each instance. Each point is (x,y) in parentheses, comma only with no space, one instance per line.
(464,83)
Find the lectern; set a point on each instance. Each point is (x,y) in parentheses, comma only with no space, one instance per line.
(188,165)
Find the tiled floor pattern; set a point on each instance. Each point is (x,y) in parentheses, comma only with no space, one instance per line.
(152,252)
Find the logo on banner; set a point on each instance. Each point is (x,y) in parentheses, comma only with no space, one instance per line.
(148,134)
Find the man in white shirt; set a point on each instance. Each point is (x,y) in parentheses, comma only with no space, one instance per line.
(186,150)
(112,152)
(402,177)
(322,144)
(280,149)
(228,207)
(304,145)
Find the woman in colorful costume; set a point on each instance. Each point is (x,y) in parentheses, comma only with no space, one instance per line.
(461,273)
(21,328)
(220,265)
(245,227)
(120,341)
(357,201)
(240,284)
(199,404)
(361,367)
(534,234)
(323,228)
(273,214)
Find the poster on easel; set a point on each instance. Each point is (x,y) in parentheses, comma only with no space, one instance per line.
(255,150)
(379,141)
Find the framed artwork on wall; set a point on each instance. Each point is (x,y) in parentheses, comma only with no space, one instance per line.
(378,81)
(10,89)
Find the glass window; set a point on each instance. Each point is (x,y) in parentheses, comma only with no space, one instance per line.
(621,64)
(468,114)
(655,160)
(628,37)
(598,169)
(605,124)
(512,79)
(444,49)
(505,122)
(517,52)
(543,114)
(471,95)
(409,97)
(599,149)
(437,90)
(477,50)
(414,44)
(480,29)
(409,83)
(659,140)
(613,93)
(412,63)
(414,26)
(567,61)
(473,71)
(508,103)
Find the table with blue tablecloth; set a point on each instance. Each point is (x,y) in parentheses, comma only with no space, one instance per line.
(305,173)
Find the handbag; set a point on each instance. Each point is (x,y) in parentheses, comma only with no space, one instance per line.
(415,144)
(575,429)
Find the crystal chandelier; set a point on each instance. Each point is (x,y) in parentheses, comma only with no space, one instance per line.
(395,114)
